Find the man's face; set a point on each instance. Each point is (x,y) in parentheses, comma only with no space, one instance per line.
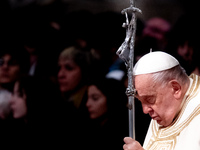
(156,101)
(9,69)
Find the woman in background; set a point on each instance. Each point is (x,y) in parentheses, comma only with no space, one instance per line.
(108,113)
(73,74)
(35,106)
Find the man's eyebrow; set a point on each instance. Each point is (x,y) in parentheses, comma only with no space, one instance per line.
(144,96)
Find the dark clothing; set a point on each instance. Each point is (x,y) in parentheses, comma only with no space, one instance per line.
(98,137)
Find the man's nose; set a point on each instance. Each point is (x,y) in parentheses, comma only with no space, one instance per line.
(146,108)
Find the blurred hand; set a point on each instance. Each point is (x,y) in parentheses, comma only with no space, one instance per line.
(131,144)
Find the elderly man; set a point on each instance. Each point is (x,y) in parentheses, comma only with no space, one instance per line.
(172,99)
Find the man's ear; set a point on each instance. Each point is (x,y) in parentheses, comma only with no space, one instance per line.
(176,88)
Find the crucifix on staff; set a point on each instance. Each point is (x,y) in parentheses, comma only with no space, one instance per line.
(126,53)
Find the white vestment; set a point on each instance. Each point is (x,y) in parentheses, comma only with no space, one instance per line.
(184,133)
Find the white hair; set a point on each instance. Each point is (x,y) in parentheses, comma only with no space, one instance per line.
(178,73)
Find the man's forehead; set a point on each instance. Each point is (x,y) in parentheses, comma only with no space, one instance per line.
(144,83)
(142,79)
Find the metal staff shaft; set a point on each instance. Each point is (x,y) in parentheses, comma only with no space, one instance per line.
(126,52)
(130,90)
(131,98)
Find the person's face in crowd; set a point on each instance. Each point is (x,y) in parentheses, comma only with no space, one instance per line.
(18,103)
(157,28)
(157,101)
(69,75)
(9,69)
(185,51)
(96,103)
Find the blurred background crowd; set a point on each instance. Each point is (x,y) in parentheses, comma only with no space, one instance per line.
(62,84)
